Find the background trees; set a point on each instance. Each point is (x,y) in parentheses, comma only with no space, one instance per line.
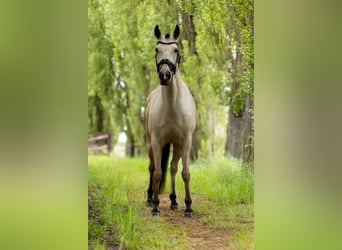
(217,64)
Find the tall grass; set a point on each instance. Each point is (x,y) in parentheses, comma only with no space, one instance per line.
(223,180)
(117,190)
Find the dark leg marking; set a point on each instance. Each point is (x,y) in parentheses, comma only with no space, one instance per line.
(188,210)
(174,204)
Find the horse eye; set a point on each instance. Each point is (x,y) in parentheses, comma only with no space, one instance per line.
(156,50)
(176,50)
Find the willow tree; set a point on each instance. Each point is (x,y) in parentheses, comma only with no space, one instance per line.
(205,68)
(130,26)
(100,71)
(225,35)
(216,44)
(240,129)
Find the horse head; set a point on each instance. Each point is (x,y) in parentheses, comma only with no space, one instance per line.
(167,55)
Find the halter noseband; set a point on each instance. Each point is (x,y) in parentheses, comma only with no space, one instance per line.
(172,66)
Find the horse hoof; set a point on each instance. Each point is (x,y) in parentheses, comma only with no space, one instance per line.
(155,213)
(174,206)
(188,214)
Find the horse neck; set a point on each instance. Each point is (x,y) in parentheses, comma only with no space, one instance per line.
(172,91)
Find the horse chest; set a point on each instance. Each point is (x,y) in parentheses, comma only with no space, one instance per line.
(171,127)
(172,133)
(171,120)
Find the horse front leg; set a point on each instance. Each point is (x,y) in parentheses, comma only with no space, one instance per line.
(186,176)
(177,153)
(157,175)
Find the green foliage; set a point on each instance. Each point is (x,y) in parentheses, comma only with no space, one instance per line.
(237,103)
(121,66)
(100,71)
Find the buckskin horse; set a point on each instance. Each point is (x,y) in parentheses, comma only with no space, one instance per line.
(170,118)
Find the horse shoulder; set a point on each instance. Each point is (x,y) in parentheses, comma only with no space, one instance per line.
(188,103)
(149,99)
(188,107)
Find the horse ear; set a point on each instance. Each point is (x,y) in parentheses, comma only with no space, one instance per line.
(157,32)
(176,32)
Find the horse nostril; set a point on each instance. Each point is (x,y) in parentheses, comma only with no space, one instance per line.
(164,76)
(161,76)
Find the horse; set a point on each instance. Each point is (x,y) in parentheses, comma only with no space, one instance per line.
(170,118)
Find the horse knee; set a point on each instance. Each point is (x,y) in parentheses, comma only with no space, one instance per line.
(157,176)
(174,169)
(151,167)
(186,176)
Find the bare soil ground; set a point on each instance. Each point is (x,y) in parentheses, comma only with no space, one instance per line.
(199,234)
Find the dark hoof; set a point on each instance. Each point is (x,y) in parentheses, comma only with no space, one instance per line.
(155,213)
(149,203)
(174,206)
(188,214)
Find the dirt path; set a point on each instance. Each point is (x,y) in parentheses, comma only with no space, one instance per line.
(199,234)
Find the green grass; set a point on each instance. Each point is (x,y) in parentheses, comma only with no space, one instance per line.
(117,190)
(229,186)
(226,182)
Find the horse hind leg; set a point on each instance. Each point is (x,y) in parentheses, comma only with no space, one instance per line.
(151,170)
(186,178)
(174,168)
(187,200)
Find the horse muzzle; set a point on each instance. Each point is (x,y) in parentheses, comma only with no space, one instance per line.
(165,77)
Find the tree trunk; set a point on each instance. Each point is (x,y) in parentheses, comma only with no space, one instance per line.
(239,137)
(194,146)
(130,144)
(240,132)
(189,34)
(99,113)
(189,31)
(248,142)
(234,135)
(130,148)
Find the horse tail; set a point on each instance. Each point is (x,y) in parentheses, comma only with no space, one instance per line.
(164,161)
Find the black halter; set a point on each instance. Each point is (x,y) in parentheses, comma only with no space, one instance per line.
(172,66)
